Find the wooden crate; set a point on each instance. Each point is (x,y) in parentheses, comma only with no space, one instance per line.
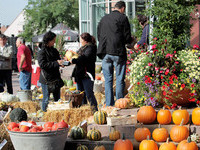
(121,120)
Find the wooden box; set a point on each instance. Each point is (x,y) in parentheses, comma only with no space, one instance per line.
(121,120)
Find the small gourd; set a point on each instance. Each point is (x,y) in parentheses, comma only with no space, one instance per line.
(100,117)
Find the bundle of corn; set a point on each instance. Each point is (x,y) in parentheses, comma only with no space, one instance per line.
(72,116)
(101,98)
(29,106)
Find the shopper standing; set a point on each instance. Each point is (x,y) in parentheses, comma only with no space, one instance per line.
(113,34)
(5,65)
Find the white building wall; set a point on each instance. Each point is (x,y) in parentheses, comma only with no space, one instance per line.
(16,27)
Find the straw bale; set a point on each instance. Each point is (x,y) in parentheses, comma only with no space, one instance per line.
(72,116)
(29,106)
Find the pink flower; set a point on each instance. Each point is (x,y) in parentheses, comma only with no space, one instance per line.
(174,52)
(149,64)
(176,62)
(155,51)
(154,46)
(156,68)
(166,72)
(165,40)
(155,39)
(131,52)
(169,55)
(147,53)
(195,46)
(161,71)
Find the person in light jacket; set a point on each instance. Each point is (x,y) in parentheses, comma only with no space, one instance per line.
(6,53)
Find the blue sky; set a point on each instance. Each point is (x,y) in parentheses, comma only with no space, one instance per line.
(10,9)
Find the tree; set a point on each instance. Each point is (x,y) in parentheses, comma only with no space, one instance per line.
(44,14)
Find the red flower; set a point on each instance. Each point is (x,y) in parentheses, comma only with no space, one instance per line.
(164,93)
(191,94)
(171,90)
(138,83)
(166,72)
(155,39)
(167,97)
(151,98)
(138,45)
(131,52)
(182,85)
(147,53)
(154,46)
(155,51)
(171,82)
(169,55)
(192,85)
(197,101)
(174,52)
(149,64)
(174,105)
(156,68)
(163,87)
(166,83)
(161,77)
(192,100)
(165,40)
(176,62)
(181,70)
(195,46)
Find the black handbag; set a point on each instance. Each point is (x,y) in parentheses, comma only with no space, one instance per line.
(53,85)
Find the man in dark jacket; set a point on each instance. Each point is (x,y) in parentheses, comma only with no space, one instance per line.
(113,33)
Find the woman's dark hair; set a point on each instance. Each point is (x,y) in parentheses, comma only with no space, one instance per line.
(49,36)
(120,4)
(142,19)
(88,38)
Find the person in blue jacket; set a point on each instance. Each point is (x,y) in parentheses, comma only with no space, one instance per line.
(144,41)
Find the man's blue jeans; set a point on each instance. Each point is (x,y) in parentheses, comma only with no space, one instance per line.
(108,64)
(25,80)
(86,85)
(46,94)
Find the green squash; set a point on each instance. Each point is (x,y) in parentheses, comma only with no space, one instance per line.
(82,147)
(94,135)
(100,117)
(77,133)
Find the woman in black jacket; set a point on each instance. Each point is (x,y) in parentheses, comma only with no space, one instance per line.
(84,71)
(49,61)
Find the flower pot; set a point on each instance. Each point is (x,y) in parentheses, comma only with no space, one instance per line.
(179,97)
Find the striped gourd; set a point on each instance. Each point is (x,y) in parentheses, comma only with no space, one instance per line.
(100,117)
(82,147)
(77,132)
(94,135)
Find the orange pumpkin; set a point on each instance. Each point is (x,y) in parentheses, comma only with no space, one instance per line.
(179,133)
(187,145)
(141,134)
(167,146)
(180,114)
(123,144)
(148,145)
(164,116)
(160,134)
(99,147)
(114,135)
(195,116)
(146,115)
(122,103)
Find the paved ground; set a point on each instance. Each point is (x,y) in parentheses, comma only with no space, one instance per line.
(65,73)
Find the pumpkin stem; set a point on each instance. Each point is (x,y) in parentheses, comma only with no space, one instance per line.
(189,139)
(198,105)
(159,126)
(163,108)
(167,140)
(182,122)
(180,107)
(147,137)
(123,136)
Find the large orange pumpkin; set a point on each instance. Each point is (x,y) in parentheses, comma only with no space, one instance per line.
(146,115)
(195,116)
(187,145)
(164,116)
(160,134)
(148,145)
(180,114)
(179,133)
(141,134)
(122,103)
(167,146)
(123,144)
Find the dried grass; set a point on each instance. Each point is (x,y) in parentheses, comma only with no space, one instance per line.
(72,116)
(29,106)
(101,98)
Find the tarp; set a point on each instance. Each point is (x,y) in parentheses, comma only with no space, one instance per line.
(60,29)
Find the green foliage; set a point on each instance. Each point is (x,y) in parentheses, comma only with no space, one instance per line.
(42,14)
(172,22)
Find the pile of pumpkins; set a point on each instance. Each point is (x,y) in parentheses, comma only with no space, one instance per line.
(31,126)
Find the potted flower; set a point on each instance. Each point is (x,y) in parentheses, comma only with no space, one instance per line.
(165,76)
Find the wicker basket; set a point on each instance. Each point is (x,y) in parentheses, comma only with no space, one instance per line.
(75,100)
(180,97)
